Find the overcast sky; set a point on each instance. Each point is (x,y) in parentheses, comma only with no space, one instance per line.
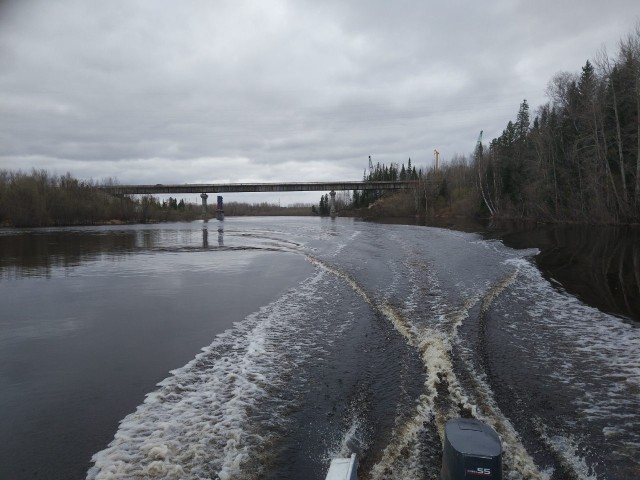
(209,91)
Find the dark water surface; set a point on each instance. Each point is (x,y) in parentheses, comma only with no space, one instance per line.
(319,337)
(598,264)
(93,318)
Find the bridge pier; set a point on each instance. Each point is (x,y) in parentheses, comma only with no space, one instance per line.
(332,203)
(219,209)
(204,197)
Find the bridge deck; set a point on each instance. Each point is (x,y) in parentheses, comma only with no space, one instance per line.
(255,187)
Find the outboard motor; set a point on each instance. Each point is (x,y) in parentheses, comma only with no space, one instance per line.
(472,449)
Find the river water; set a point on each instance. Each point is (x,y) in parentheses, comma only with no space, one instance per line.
(263,347)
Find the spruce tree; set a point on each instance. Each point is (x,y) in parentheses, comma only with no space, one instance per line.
(522,122)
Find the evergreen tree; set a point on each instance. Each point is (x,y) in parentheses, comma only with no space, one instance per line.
(356,199)
(324,207)
(522,122)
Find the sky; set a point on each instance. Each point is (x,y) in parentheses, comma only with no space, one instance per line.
(217,91)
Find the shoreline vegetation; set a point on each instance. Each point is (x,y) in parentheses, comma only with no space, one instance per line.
(39,199)
(577,161)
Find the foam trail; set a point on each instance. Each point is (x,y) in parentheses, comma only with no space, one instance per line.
(435,351)
(589,355)
(568,451)
(207,420)
(434,347)
(402,458)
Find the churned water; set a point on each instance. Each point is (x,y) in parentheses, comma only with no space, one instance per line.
(293,340)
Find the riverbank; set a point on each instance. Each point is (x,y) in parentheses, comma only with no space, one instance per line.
(461,212)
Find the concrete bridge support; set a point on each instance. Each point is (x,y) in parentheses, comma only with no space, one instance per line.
(332,203)
(204,197)
(220,209)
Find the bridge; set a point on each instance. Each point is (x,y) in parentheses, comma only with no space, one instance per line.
(255,187)
(204,189)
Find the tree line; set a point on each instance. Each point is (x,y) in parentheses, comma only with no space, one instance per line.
(238,209)
(381,173)
(39,199)
(579,159)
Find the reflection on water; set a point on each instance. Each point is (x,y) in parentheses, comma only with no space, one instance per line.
(205,237)
(35,253)
(600,265)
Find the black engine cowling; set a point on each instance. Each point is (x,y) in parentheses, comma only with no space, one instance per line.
(472,450)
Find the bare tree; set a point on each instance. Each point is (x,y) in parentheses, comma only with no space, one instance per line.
(605,64)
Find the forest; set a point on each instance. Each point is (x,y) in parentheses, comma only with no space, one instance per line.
(576,160)
(39,199)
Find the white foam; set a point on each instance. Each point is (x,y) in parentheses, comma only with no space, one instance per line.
(353,439)
(208,418)
(568,451)
(402,458)
(594,354)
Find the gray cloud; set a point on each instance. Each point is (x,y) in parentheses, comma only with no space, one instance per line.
(165,91)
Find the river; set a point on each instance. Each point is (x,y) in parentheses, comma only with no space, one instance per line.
(262,347)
